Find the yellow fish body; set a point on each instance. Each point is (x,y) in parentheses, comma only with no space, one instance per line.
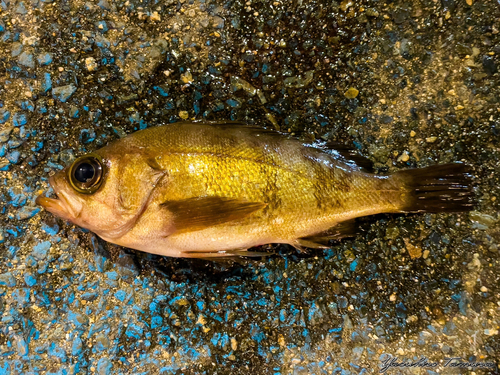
(215,190)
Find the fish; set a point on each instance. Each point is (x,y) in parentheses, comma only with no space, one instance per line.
(216,190)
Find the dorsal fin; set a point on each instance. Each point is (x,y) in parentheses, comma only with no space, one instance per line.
(350,154)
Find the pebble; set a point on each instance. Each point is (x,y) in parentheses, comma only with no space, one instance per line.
(46,82)
(26,59)
(102,26)
(4,116)
(187,77)
(7,279)
(351,93)
(489,65)
(44,58)
(404,157)
(19,119)
(29,280)
(299,82)
(481,220)
(21,346)
(13,157)
(491,332)
(40,251)
(90,64)
(104,366)
(5,133)
(27,213)
(63,93)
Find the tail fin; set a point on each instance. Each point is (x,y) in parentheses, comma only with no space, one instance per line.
(441,188)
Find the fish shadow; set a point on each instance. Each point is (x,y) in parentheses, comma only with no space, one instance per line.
(191,270)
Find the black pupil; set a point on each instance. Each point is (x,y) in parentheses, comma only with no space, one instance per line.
(84,172)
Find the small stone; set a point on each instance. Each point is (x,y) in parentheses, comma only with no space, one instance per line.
(414,251)
(7,279)
(449,328)
(469,2)
(73,112)
(351,93)
(13,157)
(4,116)
(26,59)
(40,251)
(404,157)
(5,134)
(29,279)
(22,346)
(19,119)
(238,83)
(426,254)
(218,22)
(431,139)
(344,5)
(413,133)
(184,115)
(481,220)
(4,164)
(63,93)
(234,103)
(491,332)
(27,213)
(459,107)
(392,297)
(400,15)
(44,58)
(372,12)
(385,119)
(470,63)
(155,17)
(90,64)
(102,26)
(187,77)
(489,65)
(21,8)
(47,82)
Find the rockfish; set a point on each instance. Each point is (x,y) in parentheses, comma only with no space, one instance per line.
(217,189)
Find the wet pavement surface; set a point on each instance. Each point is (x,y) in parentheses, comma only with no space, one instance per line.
(408,84)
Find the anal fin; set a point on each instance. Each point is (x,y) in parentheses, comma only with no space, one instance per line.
(321,240)
(225,255)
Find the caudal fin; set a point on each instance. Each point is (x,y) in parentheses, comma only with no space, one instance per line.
(440,188)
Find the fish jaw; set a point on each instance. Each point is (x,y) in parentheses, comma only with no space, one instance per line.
(61,206)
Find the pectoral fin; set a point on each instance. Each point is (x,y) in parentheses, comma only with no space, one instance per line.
(199,213)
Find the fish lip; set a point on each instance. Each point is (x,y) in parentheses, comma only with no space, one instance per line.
(59,206)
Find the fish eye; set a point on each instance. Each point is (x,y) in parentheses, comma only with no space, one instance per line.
(85,174)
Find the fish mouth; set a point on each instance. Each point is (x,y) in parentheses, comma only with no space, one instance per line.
(58,206)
